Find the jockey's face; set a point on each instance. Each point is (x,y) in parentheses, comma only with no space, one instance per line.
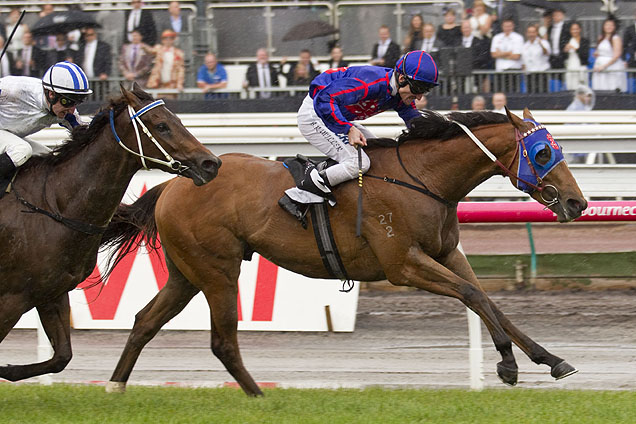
(406,94)
(61,111)
(58,109)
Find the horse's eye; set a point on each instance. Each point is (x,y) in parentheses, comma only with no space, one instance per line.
(162,127)
(543,156)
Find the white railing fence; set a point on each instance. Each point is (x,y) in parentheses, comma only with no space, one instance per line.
(272,135)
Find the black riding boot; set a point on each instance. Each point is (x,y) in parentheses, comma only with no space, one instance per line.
(298,210)
(7,169)
(316,182)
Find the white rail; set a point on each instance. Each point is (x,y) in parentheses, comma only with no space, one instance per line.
(276,134)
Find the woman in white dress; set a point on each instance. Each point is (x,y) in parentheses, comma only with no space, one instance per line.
(609,68)
(577,51)
(480,21)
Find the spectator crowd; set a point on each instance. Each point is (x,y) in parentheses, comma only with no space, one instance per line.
(482,37)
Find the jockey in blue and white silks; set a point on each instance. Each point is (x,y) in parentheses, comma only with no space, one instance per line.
(28,105)
(339,96)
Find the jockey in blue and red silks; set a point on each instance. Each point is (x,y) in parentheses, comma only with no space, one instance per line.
(339,96)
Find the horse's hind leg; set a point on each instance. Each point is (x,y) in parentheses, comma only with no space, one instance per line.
(420,270)
(458,263)
(221,297)
(170,300)
(55,317)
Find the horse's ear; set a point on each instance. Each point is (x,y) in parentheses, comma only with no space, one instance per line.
(527,114)
(515,120)
(130,97)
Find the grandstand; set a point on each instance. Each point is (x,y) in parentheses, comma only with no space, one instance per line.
(235,29)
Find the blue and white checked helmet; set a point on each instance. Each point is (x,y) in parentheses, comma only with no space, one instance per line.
(67,79)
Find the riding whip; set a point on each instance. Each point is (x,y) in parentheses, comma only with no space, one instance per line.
(359,216)
(17,24)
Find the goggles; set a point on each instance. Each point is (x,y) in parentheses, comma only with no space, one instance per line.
(66,101)
(419,87)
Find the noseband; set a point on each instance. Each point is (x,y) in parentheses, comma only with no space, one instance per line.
(170,162)
(548,192)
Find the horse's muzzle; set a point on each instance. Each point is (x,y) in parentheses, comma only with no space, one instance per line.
(575,207)
(203,170)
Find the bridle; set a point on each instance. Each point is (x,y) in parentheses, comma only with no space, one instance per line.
(170,162)
(549,193)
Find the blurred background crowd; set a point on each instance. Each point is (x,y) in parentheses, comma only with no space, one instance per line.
(267,50)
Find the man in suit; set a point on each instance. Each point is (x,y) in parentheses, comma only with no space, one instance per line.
(261,74)
(175,20)
(385,52)
(430,43)
(558,37)
(135,60)
(30,59)
(94,56)
(61,53)
(479,51)
(143,20)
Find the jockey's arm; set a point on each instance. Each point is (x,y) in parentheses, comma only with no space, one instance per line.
(329,102)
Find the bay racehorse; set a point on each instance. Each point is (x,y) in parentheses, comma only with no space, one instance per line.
(206,232)
(80,185)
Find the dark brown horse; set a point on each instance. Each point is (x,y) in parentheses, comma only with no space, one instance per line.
(81,185)
(206,232)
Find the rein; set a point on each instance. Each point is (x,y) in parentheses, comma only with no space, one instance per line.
(73,224)
(170,162)
(422,189)
(520,145)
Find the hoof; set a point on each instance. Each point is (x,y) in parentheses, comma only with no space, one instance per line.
(562,370)
(507,375)
(115,387)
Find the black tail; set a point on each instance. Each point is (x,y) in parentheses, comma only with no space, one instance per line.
(131,226)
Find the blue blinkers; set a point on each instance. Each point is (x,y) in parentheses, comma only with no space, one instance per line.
(544,154)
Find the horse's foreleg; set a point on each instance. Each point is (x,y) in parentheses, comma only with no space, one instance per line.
(421,271)
(458,263)
(224,320)
(170,300)
(55,317)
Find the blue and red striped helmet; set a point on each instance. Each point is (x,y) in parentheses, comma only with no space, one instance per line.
(417,65)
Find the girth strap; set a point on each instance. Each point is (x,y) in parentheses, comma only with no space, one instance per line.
(327,245)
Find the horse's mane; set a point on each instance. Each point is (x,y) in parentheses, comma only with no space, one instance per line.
(83,135)
(433,125)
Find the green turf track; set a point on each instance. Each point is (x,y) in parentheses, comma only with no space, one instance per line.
(90,404)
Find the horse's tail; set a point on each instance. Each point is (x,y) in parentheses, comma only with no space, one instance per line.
(131,226)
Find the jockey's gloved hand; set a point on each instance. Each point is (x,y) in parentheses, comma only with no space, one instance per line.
(70,121)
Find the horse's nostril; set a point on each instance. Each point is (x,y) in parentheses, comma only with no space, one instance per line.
(211,165)
(576,206)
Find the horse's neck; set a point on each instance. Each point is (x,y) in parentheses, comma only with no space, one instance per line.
(90,185)
(454,167)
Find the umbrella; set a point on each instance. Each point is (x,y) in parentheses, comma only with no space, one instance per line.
(539,4)
(63,22)
(309,29)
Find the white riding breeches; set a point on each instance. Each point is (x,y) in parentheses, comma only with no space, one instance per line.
(19,149)
(335,146)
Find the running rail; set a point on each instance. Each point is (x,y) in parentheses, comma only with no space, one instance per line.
(506,212)
(484,212)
